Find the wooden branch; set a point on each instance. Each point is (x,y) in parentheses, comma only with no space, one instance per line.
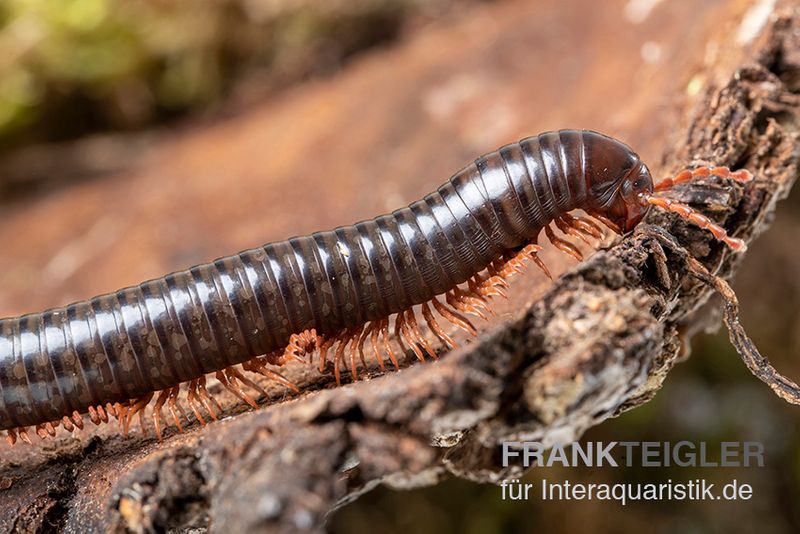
(600,341)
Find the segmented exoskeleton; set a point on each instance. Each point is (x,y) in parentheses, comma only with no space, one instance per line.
(328,290)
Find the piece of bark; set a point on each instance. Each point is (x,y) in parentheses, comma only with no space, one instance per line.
(599,341)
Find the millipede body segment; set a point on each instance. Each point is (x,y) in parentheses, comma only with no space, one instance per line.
(328,291)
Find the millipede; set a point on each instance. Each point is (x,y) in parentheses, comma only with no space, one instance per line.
(330,295)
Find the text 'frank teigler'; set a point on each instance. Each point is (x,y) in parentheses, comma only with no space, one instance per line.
(634,453)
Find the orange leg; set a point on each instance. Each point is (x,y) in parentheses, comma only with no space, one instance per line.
(229,382)
(343,338)
(363,339)
(119,410)
(479,302)
(582,228)
(495,277)
(568,229)
(137,406)
(97,415)
(403,332)
(299,345)
(355,336)
(21,432)
(78,420)
(435,328)
(512,265)
(528,252)
(12,434)
(386,344)
(175,405)
(140,414)
(470,296)
(163,395)
(323,352)
(193,400)
(562,244)
(207,399)
(462,306)
(608,222)
(398,321)
(94,417)
(124,410)
(257,365)
(585,225)
(23,435)
(104,413)
(479,286)
(493,283)
(202,396)
(411,319)
(235,374)
(532,251)
(454,317)
(375,332)
(338,357)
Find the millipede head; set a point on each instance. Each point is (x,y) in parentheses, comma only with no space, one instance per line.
(631,204)
(617,181)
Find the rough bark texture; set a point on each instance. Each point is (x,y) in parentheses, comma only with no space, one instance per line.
(599,341)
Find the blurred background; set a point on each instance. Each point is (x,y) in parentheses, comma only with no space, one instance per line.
(141,136)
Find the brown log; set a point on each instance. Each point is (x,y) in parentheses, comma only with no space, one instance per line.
(599,340)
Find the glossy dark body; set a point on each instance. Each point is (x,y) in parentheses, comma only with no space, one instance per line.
(166,331)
